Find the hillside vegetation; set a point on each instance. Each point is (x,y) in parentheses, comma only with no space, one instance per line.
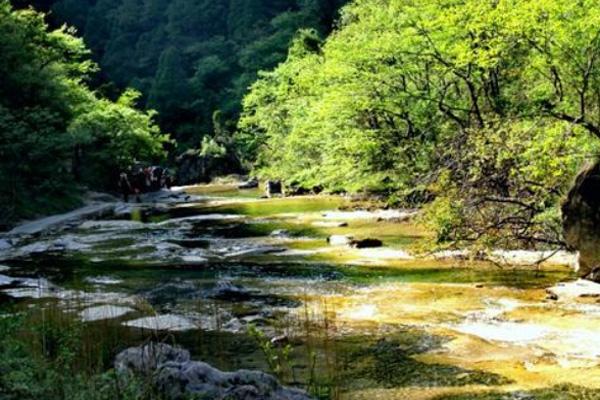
(483,110)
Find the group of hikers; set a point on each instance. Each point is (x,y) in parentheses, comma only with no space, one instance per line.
(140,180)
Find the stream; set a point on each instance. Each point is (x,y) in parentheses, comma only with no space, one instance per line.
(244,282)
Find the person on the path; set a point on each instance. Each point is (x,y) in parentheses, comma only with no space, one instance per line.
(125,186)
(139,184)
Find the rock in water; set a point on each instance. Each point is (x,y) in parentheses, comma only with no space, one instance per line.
(340,240)
(249,184)
(226,290)
(273,188)
(366,243)
(581,221)
(177,377)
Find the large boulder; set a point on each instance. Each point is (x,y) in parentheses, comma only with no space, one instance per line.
(273,188)
(177,377)
(581,221)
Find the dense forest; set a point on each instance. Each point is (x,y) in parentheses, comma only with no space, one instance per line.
(189,58)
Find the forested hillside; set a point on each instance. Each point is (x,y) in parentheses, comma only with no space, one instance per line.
(189,58)
(488,108)
(56,134)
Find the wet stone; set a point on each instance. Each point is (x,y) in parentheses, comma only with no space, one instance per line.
(98,313)
(166,322)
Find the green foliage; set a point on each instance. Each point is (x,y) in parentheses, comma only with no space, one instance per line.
(51,122)
(278,358)
(490,106)
(41,359)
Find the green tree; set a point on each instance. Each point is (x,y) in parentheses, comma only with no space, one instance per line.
(452,100)
(48,115)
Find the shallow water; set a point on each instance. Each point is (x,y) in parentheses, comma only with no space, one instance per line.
(225,276)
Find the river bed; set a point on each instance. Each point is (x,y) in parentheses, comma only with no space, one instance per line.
(244,282)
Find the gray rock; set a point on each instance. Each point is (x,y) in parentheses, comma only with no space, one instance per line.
(176,376)
(581,221)
(98,313)
(257,251)
(273,188)
(149,357)
(6,280)
(227,290)
(249,184)
(340,240)
(280,233)
(5,244)
(166,322)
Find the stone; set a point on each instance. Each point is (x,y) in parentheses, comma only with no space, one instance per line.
(249,184)
(166,322)
(5,245)
(103,280)
(149,357)
(366,243)
(56,221)
(257,251)
(227,290)
(98,313)
(273,188)
(329,224)
(176,377)
(378,215)
(581,220)
(6,280)
(340,240)
(280,233)
(574,289)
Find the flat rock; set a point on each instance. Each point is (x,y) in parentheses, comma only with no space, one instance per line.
(340,240)
(329,224)
(574,289)
(226,290)
(257,251)
(5,245)
(376,215)
(201,218)
(6,280)
(103,280)
(98,313)
(385,253)
(529,257)
(193,259)
(112,225)
(166,322)
(56,221)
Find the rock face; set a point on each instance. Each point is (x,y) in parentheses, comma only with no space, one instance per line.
(177,377)
(192,167)
(581,221)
